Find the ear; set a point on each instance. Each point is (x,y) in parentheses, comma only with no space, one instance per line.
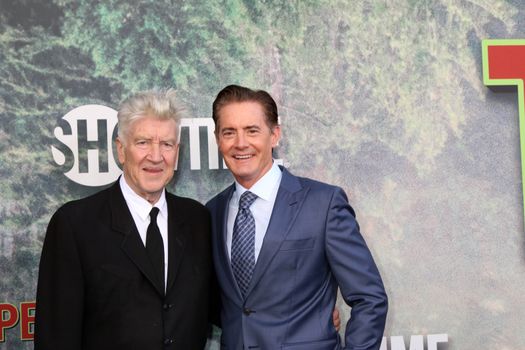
(176,156)
(120,151)
(276,135)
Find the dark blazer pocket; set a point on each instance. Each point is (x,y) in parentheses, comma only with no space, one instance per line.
(298,244)
(328,344)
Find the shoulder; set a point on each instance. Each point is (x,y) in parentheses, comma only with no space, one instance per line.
(219,198)
(318,185)
(311,184)
(191,214)
(79,215)
(185,204)
(322,193)
(87,204)
(325,190)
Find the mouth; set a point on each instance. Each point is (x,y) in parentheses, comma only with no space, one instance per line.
(153,170)
(242,156)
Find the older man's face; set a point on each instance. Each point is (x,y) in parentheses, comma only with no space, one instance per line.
(148,154)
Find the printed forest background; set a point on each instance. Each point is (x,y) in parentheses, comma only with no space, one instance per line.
(384,98)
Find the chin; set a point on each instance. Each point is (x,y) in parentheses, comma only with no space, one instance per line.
(156,186)
(241,173)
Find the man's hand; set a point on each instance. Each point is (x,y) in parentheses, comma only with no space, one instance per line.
(336,319)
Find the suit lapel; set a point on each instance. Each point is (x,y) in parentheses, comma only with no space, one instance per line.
(177,234)
(222,227)
(132,245)
(287,205)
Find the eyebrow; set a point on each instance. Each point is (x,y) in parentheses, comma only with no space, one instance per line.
(244,128)
(168,139)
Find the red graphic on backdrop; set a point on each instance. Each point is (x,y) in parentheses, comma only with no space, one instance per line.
(504,69)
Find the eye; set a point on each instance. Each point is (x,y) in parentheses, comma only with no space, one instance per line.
(141,143)
(227,133)
(167,146)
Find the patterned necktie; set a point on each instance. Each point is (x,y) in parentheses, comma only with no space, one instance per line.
(243,242)
(155,246)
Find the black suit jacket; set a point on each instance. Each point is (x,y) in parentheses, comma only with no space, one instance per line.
(96,286)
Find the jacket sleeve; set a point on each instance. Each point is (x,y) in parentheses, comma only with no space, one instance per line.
(357,275)
(60,290)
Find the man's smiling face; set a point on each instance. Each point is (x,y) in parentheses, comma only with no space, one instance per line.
(245,140)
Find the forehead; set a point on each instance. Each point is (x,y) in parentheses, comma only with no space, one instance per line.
(239,114)
(153,127)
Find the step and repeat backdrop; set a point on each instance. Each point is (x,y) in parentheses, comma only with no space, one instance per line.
(387,99)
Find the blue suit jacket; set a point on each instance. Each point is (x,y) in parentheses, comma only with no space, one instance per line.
(311,247)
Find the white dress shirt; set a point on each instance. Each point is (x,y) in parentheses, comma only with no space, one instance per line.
(140,209)
(266,190)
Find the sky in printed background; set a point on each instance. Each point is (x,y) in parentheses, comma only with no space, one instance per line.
(384,98)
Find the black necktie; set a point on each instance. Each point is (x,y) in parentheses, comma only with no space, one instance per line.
(154,245)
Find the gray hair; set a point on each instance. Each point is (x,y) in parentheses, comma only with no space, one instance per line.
(158,103)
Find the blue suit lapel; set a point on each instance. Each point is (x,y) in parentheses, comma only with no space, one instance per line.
(287,205)
(222,223)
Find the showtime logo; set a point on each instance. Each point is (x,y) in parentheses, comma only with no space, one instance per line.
(90,138)
(417,342)
(88,119)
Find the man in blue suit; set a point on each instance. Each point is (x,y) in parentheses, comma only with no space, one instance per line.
(282,245)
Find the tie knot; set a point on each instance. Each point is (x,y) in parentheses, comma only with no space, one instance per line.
(247,199)
(153,213)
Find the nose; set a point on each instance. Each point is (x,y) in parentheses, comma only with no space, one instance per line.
(155,155)
(240,141)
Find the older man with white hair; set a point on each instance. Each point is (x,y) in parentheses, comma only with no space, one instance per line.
(130,266)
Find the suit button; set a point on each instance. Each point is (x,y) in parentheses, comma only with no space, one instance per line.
(168,341)
(167,306)
(247,311)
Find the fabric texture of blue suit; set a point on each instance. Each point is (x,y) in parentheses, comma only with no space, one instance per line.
(312,246)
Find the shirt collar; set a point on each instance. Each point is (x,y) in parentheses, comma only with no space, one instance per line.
(265,186)
(138,204)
